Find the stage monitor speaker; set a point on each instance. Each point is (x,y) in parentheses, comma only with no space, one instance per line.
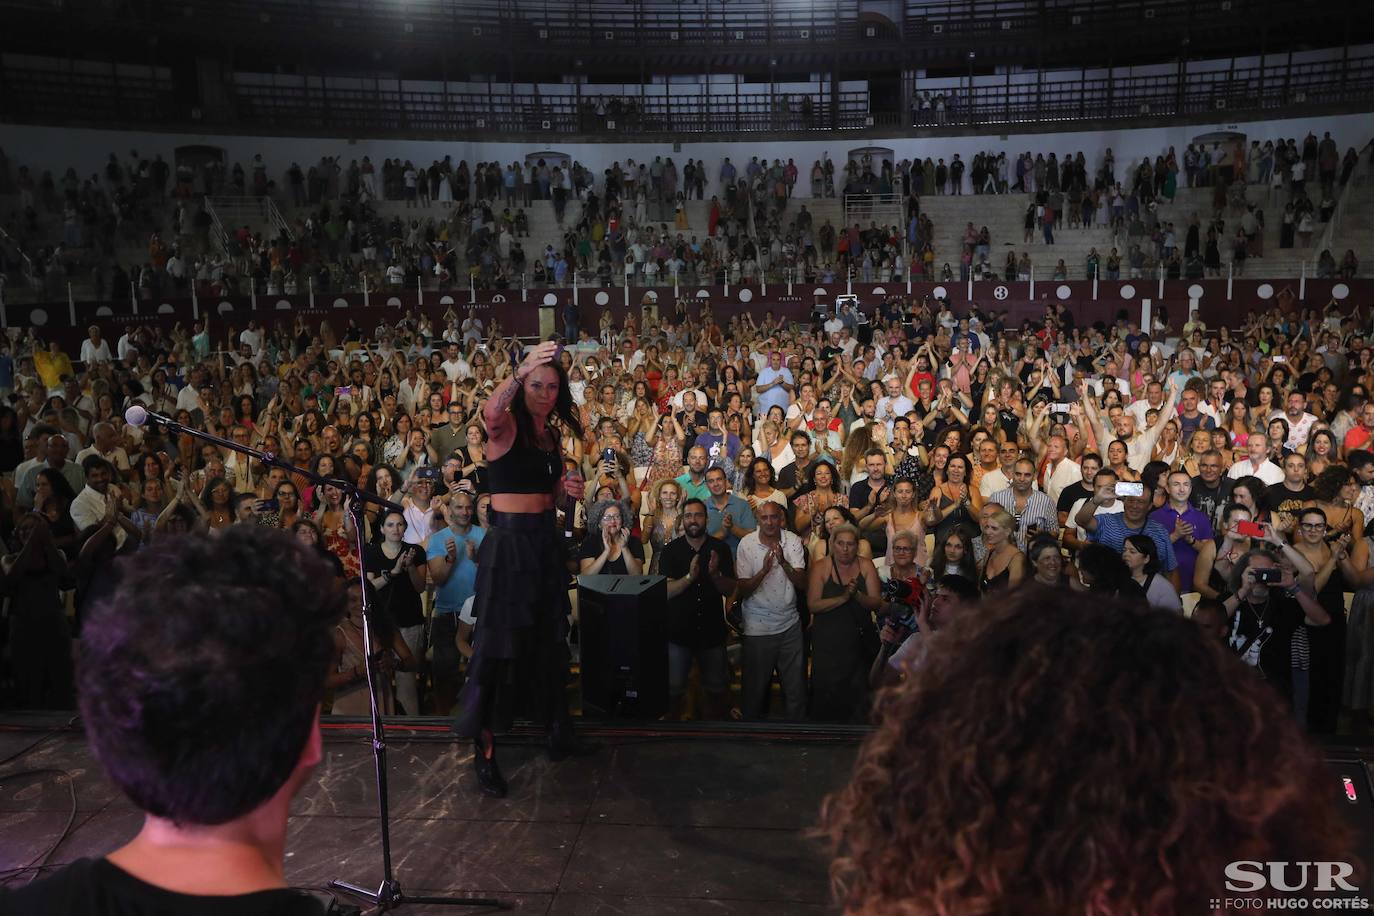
(623,622)
(1354,792)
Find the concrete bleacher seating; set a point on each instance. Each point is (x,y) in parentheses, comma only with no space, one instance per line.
(1003,214)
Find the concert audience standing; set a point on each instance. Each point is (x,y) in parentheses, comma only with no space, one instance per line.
(941,438)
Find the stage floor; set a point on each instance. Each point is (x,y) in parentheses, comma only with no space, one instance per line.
(652,824)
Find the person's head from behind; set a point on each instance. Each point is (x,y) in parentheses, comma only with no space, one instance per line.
(201,701)
(1139,742)
(1101,569)
(1210,615)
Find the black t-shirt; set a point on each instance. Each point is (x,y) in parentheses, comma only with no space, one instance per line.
(591,549)
(1211,500)
(861,493)
(789,479)
(1265,633)
(1282,499)
(94,887)
(689,423)
(696,617)
(399,598)
(1072,494)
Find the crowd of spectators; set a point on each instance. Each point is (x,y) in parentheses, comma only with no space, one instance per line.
(957,454)
(630,223)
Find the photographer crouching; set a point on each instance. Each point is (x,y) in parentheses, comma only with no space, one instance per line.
(911,614)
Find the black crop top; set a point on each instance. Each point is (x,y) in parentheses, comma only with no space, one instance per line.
(524,469)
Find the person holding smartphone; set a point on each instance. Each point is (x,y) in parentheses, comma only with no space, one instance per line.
(1113,529)
(1266,607)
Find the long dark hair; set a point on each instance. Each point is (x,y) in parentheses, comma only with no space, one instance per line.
(565,412)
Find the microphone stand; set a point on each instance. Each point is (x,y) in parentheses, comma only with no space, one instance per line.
(388,894)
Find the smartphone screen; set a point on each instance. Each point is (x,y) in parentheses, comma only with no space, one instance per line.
(1130,488)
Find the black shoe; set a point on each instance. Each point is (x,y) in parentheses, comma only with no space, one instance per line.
(489,780)
(563,743)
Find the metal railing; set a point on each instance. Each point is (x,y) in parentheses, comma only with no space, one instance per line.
(41,89)
(398,107)
(1058,97)
(706,24)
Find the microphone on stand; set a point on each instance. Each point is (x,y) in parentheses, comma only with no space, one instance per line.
(138,415)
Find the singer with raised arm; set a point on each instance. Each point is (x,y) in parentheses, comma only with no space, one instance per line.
(520,658)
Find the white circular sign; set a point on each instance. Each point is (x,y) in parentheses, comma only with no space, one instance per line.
(1264,291)
(341,303)
(283,305)
(394,302)
(104,312)
(1195,291)
(498,298)
(820,291)
(745,294)
(1340,291)
(1128,291)
(550,299)
(1063,292)
(446,300)
(38,317)
(602,298)
(939,292)
(703,294)
(225,306)
(879,291)
(1000,292)
(166,309)
(651,296)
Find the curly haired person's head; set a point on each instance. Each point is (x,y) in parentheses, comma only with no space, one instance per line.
(1074,756)
(201,675)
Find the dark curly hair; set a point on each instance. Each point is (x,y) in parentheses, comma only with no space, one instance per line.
(1061,753)
(1330,482)
(200,676)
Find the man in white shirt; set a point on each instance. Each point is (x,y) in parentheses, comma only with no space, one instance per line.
(253,336)
(894,404)
(455,367)
(93,349)
(1057,470)
(1139,446)
(126,345)
(1298,419)
(1153,400)
(1257,463)
(1216,404)
(771,564)
(92,505)
(412,389)
(472,328)
(999,478)
(188,398)
(105,443)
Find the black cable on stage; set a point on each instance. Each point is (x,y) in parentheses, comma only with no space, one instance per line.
(39,862)
(70,723)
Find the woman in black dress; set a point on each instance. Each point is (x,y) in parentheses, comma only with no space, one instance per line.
(842,595)
(521,602)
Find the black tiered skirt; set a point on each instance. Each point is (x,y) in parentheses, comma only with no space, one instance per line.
(520,641)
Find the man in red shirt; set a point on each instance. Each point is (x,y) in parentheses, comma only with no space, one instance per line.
(1359,438)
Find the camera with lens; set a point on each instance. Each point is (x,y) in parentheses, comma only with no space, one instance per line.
(903,596)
